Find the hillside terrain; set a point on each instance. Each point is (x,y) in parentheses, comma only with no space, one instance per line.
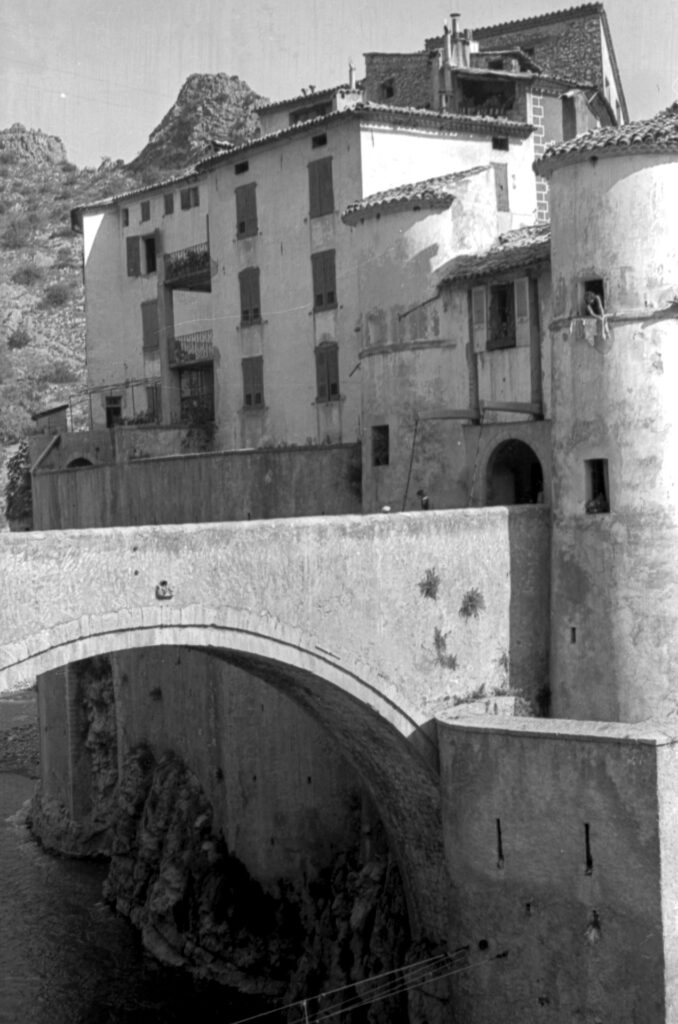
(42,320)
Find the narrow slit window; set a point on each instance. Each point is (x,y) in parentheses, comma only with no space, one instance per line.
(587,846)
(597,486)
(380,445)
(500,845)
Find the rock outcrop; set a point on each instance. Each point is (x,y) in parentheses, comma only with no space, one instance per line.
(31,144)
(197,907)
(208,107)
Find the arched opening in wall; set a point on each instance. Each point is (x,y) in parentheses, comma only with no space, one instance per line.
(221,752)
(514,475)
(76,463)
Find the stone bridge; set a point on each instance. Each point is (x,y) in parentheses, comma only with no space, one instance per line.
(373,624)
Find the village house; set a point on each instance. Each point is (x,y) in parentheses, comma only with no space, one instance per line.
(372,269)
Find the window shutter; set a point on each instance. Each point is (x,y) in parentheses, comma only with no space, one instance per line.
(149,324)
(321,373)
(522,299)
(133,256)
(501,186)
(253,380)
(479,318)
(250,302)
(321,191)
(246,211)
(324,279)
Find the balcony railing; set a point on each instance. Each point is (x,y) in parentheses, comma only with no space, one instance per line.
(191,348)
(189,267)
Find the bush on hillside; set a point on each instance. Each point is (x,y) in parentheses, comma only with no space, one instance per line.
(56,295)
(18,233)
(28,274)
(19,338)
(58,372)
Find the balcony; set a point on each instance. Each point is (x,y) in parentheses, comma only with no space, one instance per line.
(189,269)
(191,350)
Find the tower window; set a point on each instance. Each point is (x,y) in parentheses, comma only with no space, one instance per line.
(597,486)
(380,445)
(594,297)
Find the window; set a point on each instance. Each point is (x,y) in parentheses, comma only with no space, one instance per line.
(153,402)
(113,407)
(597,486)
(380,447)
(500,142)
(501,186)
(321,192)
(318,140)
(196,395)
(169,203)
(242,167)
(149,324)
(189,197)
(246,211)
(327,372)
(502,319)
(593,299)
(125,217)
(253,381)
(496,64)
(250,303)
(324,280)
(146,210)
(387,89)
(149,253)
(133,256)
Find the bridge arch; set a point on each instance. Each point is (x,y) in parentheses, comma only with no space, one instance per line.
(393,751)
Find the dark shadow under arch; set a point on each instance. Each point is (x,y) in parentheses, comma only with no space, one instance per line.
(514,475)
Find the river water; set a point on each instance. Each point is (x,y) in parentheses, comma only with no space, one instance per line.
(66,958)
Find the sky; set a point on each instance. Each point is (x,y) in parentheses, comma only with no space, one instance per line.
(101,74)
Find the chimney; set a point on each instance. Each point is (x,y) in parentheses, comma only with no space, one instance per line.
(453,20)
(447,47)
(351,75)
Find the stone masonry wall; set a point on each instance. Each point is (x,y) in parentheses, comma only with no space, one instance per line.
(408,73)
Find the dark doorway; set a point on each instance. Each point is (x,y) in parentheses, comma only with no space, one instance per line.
(514,475)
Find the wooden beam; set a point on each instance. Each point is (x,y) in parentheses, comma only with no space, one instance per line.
(531,408)
(450,414)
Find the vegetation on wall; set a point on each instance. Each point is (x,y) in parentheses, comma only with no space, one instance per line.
(18,500)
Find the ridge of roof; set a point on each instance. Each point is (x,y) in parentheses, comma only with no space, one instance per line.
(384,113)
(436,192)
(540,19)
(320,93)
(658,134)
(190,174)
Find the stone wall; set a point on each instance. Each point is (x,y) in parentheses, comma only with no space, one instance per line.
(210,487)
(559,840)
(407,74)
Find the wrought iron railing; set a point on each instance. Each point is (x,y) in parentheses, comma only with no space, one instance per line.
(191,348)
(188,264)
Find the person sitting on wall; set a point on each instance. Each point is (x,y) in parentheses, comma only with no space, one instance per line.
(424,499)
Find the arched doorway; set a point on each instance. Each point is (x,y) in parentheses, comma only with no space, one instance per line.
(514,475)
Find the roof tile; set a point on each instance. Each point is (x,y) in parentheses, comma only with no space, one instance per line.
(435,193)
(658,134)
(522,247)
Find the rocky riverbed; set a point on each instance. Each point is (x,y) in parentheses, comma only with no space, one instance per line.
(19,739)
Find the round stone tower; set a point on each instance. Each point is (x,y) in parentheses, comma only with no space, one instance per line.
(614,612)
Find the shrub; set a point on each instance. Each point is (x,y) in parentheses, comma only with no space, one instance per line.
(19,338)
(18,233)
(7,157)
(28,274)
(68,167)
(18,501)
(57,295)
(58,372)
(64,257)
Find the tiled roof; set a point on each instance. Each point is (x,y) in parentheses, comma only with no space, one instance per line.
(434,193)
(320,94)
(188,175)
(521,248)
(539,19)
(658,134)
(384,113)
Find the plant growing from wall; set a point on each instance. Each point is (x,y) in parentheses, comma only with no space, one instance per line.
(18,498)
(472,603)
(428,587)
(440,645)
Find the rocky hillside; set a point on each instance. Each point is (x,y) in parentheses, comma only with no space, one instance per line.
(208,107)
